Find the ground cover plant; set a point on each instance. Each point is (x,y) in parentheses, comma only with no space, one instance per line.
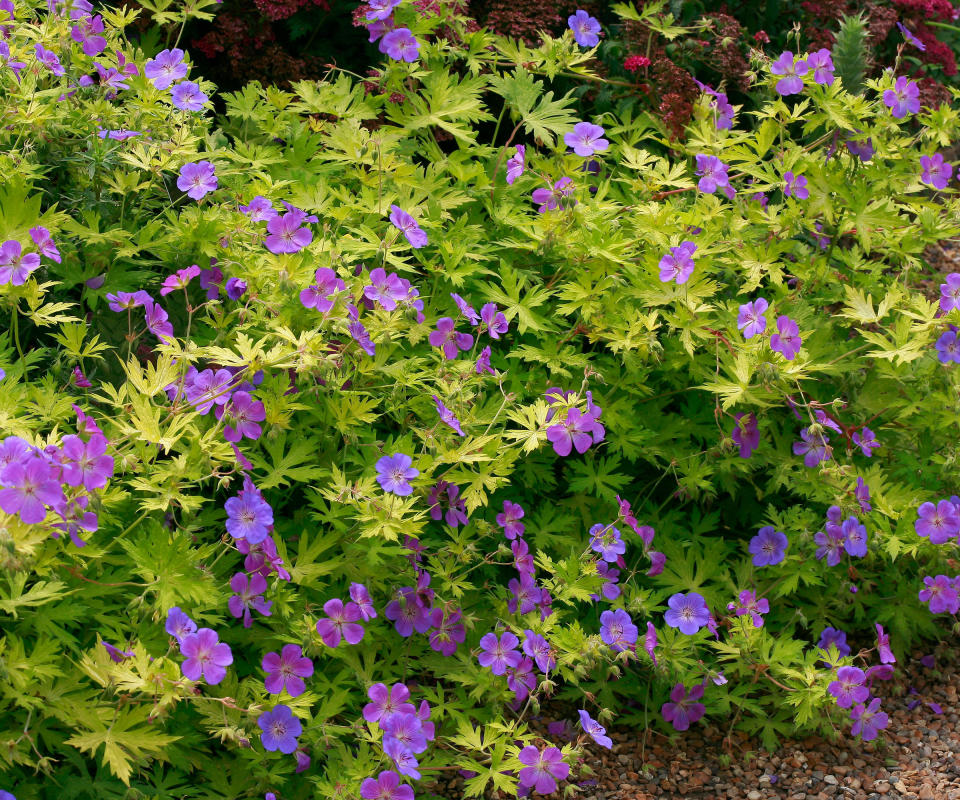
(336,439)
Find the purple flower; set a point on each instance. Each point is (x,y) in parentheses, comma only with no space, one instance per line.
(683,708)
(87,464)
(861,149)
(280,729)
(538,648)
(499,654)
(595,730)
(586,29)
(836,638)
(605,540)
(235,287)
(447,338)
(116,655)
(407,225)
(400,45)
(936,171)
(468,311)
(205,655)
(748,604)
(49,59)
(361,596)
(526,594)
(387,703)
(948,348)
(6,59)
(243,414)
(157,320)
(87,33)
(617,630)
(790,69)
(510,518)
(677,265)
(122,301)
(16,266)
(197,179)
(179,280)
(768,547)
(44,243)
(286,670)
(712,172)
(260,209)
(688,612)
(849,687)
(883,646)
(380,9)
(746,434)
(179,625)
(868,721)
(516,164)
(284,234)
(447,416)
(854,537)
(408,613)
(940,522)
(866,441)
(28,487)
(543,769)
(862,493)
(483,362)
(578,430)
(385,289)
(403,758)
(908,36)
(950,293)
(341,622)
(821,64)
(447,632)
(444,493)
(814,448)
(586,139)
(386,786)
(248,593)
(903,98)
(495,320)
(188,96)
(249,516)
(552,199)
(165,68)
(795,186)
(394,474)
(786,340)
(941,593)
(320,295)
(751,319)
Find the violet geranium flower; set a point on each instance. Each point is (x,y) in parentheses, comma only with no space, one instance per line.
(868,720)
(286,670)
(712,172)
(687,612)
(206,656)
(751,319)
(448,339)
(554,198)
(249,516)
(786,340)
(595,730)
(394,474)
(903,98)
(341,622)
(386,786)
(586,29)
(165,68)
(790,70)
(408,226)
(197,179)
(279,729)
(935,171)
(400,45)
(683,708)
(15,265)
(617,630)
(940,522)
(746,433)
(586,139)
(543,769)
(849,687)
(499,653)
(509,519)
(516,164)
(188,96)
(285,234)
(768,547)
(677,265)
(248,594)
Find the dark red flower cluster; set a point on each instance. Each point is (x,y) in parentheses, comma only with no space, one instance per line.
(937,52)
(526,20)
(275,10)
(635,63)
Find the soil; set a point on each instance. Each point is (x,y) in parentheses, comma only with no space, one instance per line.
(918,758)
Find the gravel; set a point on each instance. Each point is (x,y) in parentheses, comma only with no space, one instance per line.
(919,759)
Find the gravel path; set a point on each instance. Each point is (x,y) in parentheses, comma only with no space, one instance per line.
(920,759)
